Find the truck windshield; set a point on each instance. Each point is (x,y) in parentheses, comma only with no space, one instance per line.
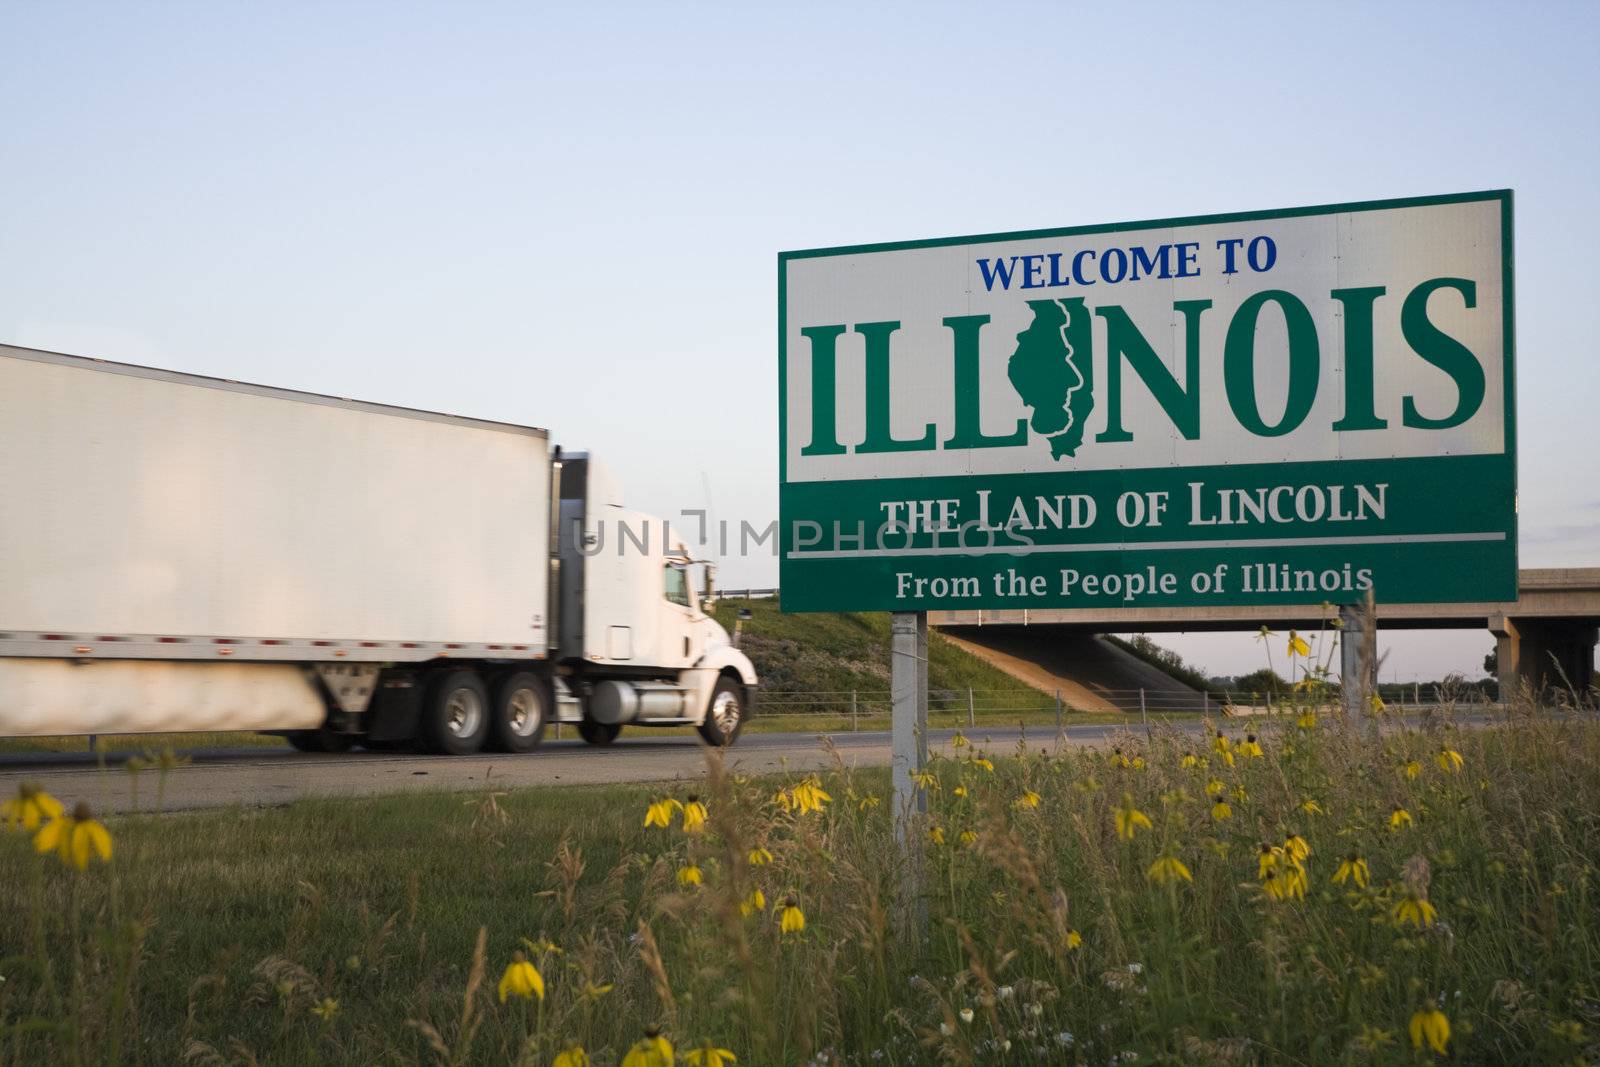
(677,584)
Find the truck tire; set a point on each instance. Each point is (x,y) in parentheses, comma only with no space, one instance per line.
(455,714)
(320,740)
(520,710)
(725,714)
(598,733)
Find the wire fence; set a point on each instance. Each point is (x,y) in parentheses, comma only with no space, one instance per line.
(972,706)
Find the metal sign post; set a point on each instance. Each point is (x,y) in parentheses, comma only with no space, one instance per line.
(908,684)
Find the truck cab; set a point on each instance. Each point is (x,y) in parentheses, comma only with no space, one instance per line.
(636,642)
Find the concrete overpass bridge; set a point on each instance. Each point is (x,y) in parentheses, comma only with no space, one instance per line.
(1546,637)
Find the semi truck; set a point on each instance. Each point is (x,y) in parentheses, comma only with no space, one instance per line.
(183,553)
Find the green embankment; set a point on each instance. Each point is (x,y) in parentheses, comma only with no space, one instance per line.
(812,663)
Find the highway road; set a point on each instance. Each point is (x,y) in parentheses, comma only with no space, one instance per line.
(220,778)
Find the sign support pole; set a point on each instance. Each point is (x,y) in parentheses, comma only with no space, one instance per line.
(908,684)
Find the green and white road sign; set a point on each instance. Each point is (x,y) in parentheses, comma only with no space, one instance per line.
(1276,407)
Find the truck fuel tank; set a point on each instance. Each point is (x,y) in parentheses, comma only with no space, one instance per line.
(614,702)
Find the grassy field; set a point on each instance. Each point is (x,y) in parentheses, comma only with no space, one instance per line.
(376,931)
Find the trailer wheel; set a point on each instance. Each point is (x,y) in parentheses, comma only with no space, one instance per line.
(455,714)
(521,708)
(599,733)
(319,740)
(725,716)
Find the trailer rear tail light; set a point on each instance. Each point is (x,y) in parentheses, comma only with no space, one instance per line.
(83,650)
(170,640)
(224,651)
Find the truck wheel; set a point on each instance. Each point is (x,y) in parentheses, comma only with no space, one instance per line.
(455,714)
(320,740)
(521,707)
(725,716)
(599,733)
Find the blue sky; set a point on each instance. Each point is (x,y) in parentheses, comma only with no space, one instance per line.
(569,217)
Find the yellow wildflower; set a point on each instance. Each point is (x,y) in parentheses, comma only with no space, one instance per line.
(688,875)
(1251,747)
(1298,645)
(1074,940)
(1413,909)
(1376,703)
(1267,859)
(571,1056)
(982,763)
(968,837)
(925,780)
(1028,799)
(29,809)
(1130,820)
(659,813)
(760,857)
(707,1056)
(1215,786)
(1297,847)
(1352,868)
(756,901)
(960,791)
(325,1009)
(72,837)
(793,920)
(1138,763)
(1118,759)
(1168,869)
(1400,817)
(694,816)
(1239,794)
(1307,720)
(651,1050)
(521,979)
(1220,743)
(1293,880)
(591,991)
(1412,768)
(809,795)
(1311,807)
(1220,808)
(1449,761)
(1189,760)
(959,740)
(936,835)
(868,802)
(1430,1025)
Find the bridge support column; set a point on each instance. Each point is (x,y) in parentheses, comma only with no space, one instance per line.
(1535,656)
(1358,658)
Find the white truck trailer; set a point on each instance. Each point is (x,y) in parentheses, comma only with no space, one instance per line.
(181,553)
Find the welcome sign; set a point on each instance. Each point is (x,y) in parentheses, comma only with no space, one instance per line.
(1273,407)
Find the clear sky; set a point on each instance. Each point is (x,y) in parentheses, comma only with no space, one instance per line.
(570,217)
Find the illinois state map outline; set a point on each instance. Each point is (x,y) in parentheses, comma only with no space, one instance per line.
(1052,371)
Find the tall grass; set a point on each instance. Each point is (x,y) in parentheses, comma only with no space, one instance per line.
(375,931)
